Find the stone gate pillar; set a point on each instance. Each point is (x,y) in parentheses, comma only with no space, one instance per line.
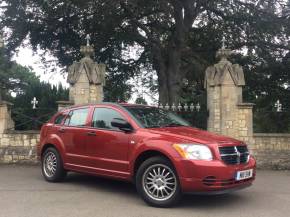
(86,79)
(228,115)
(6,121)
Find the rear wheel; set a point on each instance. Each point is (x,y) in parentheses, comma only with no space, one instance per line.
(157,182)
(52,165)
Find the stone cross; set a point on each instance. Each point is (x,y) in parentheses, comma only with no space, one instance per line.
(278,105)
(34,102)
(88,38)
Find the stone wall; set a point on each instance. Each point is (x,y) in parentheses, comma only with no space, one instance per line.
(18,146)
(272,151)
(244,125)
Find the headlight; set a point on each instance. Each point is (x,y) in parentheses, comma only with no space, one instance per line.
(194,151)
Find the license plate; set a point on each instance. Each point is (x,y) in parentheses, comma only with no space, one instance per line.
(245,174)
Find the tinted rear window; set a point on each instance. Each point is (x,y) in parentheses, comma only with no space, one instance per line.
(59,118)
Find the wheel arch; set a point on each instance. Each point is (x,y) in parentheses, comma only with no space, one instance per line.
(146,155)
(49,145)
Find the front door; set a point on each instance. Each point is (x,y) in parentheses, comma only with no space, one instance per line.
(107,146)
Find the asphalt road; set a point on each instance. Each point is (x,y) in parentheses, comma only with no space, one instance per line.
(24,193)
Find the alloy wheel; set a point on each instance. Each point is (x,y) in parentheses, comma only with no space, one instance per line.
(159,182)
(50,164)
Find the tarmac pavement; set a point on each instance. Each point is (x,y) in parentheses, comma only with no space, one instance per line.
(24,193)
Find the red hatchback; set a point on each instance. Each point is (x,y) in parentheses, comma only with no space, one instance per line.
(155,149)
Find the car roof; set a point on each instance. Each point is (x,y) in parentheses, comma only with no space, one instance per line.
(123,104)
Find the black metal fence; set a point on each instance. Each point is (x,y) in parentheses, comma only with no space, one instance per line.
(267,120)
(31,119)
(195,114)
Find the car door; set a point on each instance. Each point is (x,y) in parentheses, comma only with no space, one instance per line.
(107,146)
(73,134)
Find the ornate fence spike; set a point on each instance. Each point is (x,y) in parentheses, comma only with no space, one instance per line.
(173,107)
(179,107)
(185,107)
(191,107)
(167,107)
(198,107)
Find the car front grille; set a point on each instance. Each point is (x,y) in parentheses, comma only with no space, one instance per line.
(234,154)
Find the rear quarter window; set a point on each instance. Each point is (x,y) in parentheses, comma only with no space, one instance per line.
(59,118)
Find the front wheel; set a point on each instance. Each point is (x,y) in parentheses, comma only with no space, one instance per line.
(52,166)
(157,182)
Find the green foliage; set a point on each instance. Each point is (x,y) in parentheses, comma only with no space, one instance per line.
(27,85)
(10,76)
(140,100)
(47,96)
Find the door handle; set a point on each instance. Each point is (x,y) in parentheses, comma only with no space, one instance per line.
(61,130)
(91,133)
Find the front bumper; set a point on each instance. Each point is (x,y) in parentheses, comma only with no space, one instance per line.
(222,191)
(212,177)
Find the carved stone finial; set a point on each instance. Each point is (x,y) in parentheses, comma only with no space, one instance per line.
(87,50)
(223,53)
(1,41)
(223,42)
(88,38)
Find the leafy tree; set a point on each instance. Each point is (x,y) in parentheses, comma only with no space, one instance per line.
(22,82)
(177,38)
(140,100)
(11,78)
(27,118)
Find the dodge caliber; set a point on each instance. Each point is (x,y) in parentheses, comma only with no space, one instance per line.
(153,148)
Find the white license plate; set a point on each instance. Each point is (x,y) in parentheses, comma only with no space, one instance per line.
(245,174)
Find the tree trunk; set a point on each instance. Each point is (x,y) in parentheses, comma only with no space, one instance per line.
(169,76)
(169,56)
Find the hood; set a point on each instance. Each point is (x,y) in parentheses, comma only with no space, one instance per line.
(190,134)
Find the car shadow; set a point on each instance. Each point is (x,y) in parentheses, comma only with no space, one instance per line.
(128,190)
(100,183)
(209,201)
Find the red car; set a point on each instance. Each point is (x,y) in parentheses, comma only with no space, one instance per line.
(155,149)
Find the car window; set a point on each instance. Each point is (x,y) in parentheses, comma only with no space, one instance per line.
(77,117)
(59,119)
(151,117)
(103,117)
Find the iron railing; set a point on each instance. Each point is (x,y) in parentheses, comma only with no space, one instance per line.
(195,113)
(27,119)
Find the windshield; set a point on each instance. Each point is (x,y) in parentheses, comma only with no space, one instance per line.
(151,117)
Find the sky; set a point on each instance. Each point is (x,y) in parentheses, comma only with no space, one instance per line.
(26,57)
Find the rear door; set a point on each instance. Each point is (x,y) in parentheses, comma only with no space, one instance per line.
(107,146)
(73,134)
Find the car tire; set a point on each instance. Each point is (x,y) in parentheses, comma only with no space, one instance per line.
(157,182)
(52,166)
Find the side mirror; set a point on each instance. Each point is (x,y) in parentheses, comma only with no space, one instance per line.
(122,124)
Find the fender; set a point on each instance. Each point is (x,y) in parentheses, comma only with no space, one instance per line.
(152,144)
(57,142)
